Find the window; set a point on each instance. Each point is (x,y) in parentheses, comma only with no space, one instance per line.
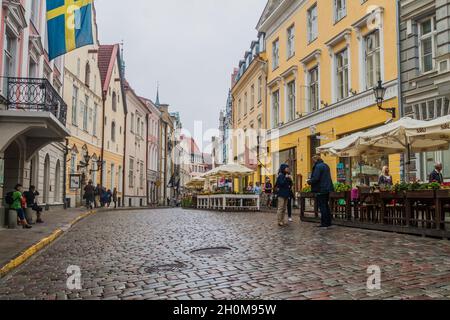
(252,97)
(342,75)
(85,113)
(120,180)
(114,101)
(313,88)
(73,163)
(340,10)
(312,24)
(290,42)
(239,109)
(87,76)
(260,89)
(245,104)
(138,125)
(132,123)
(290,112)
(74,106)
(141,176)
(9,59)
(373,60)
(113,176)
(33,69)
(275,54)
(94,121)
(35,4)
(275,109)
(428,44)
(113,131)
(131,173)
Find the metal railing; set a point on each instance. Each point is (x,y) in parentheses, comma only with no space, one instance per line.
(32,94)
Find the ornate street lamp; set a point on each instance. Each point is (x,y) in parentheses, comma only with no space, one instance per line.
(379,93)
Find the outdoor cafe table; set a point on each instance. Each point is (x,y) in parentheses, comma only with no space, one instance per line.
(238,202)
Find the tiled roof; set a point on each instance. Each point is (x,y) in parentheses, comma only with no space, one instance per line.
(107,55)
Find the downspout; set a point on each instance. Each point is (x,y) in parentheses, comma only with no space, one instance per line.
(66,152)
(124,158)
(146,159)
(406,163)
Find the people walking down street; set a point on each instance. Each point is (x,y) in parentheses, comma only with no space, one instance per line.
(268,189)
(385,179)
(322,185)
(16,204)
(108,198)
(436,175)
(103,197)
(89,195)
(97,193)
(283,186)
(30,197)
(114,197)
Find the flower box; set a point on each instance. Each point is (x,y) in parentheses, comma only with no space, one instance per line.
(421,194)
(307,195)
(443,194)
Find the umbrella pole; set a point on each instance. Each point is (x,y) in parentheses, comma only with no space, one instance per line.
(408,163)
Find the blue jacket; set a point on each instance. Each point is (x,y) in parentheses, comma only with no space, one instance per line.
(283,185)
(436,177)
(321,181)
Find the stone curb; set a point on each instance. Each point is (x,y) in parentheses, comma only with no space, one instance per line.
(27,254)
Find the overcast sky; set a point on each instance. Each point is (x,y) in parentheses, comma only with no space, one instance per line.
(189,46)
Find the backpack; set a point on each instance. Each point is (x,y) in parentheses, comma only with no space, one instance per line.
(9,198)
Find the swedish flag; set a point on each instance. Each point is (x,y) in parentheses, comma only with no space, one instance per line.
(69,25)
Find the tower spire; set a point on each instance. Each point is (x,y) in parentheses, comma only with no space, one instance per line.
(157,95)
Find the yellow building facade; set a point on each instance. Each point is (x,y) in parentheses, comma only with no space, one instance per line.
(249,111)
(83,93)
(324,58)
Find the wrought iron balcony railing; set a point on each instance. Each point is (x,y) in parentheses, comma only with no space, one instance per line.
(30,94)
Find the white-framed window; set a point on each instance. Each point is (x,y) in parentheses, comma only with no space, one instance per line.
(141,175)
(132,123)
(245,104)
(260,89)
(313,30)
(131,173)
(113,176)
(428,44)
(9,60)
(290,112)
(340,10)
(85,113)
(73,163)
(75,106)
(252,97)
(342,75)
(113,131)
(290,41)
(239,108)
(275,54)
(114,101)
(275,109)
(94,121)
(313,89)
(372,59)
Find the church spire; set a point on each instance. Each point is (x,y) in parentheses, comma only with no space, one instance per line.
(157,96)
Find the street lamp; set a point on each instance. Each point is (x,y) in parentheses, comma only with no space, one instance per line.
(379,93)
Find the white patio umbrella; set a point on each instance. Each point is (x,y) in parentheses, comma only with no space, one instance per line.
(335,147)
(231,170)
(196,183)
(437,130)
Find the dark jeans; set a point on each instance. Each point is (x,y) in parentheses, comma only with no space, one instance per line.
(323,202)
(21,214)
(289,207)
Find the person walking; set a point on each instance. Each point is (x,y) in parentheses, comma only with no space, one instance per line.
(17,205)
(108,198)
(114,196)
(436,175)
(30,197)
(322,185)
(97,192)
(283,187)
(89,195)
(268,189)
(289,205)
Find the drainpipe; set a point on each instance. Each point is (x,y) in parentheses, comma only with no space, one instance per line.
(66,151)
(146,159)
(124,159)
(103,139)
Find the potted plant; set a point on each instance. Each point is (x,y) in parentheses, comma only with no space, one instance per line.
(341,190)
(418,190)
(307,193)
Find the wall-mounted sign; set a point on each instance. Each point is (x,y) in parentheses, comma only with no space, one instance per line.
(75,181)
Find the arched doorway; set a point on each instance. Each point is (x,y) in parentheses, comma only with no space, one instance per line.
(58,182)
(13,167)
(46,186)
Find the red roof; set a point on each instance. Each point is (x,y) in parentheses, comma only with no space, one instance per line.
(107,55)
(192,145)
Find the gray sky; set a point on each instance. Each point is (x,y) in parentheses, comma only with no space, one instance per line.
(189,46)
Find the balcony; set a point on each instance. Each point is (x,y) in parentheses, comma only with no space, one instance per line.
(35,95)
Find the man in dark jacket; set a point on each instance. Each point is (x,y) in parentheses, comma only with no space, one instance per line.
(283,187)
(436,175)
(322,184)
(30,197)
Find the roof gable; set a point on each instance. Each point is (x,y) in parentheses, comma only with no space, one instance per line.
(107,55)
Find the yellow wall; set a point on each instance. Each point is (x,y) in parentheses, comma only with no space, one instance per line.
(332,128)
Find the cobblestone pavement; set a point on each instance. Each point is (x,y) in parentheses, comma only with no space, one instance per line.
(147,255)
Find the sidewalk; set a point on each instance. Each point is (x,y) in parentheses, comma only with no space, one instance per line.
(13,243)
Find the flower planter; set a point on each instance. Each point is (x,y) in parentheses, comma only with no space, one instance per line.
(421,194)
(341,195)
(392,195)
(307,195)
(443,194)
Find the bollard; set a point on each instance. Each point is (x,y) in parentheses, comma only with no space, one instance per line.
(29,215)
(12,219)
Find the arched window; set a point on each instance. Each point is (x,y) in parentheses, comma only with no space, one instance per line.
(114,101)
(113,131)
(87,78)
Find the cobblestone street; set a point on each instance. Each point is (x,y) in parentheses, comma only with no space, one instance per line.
(149,255)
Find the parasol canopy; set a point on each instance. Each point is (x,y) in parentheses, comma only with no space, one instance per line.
(231,170)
